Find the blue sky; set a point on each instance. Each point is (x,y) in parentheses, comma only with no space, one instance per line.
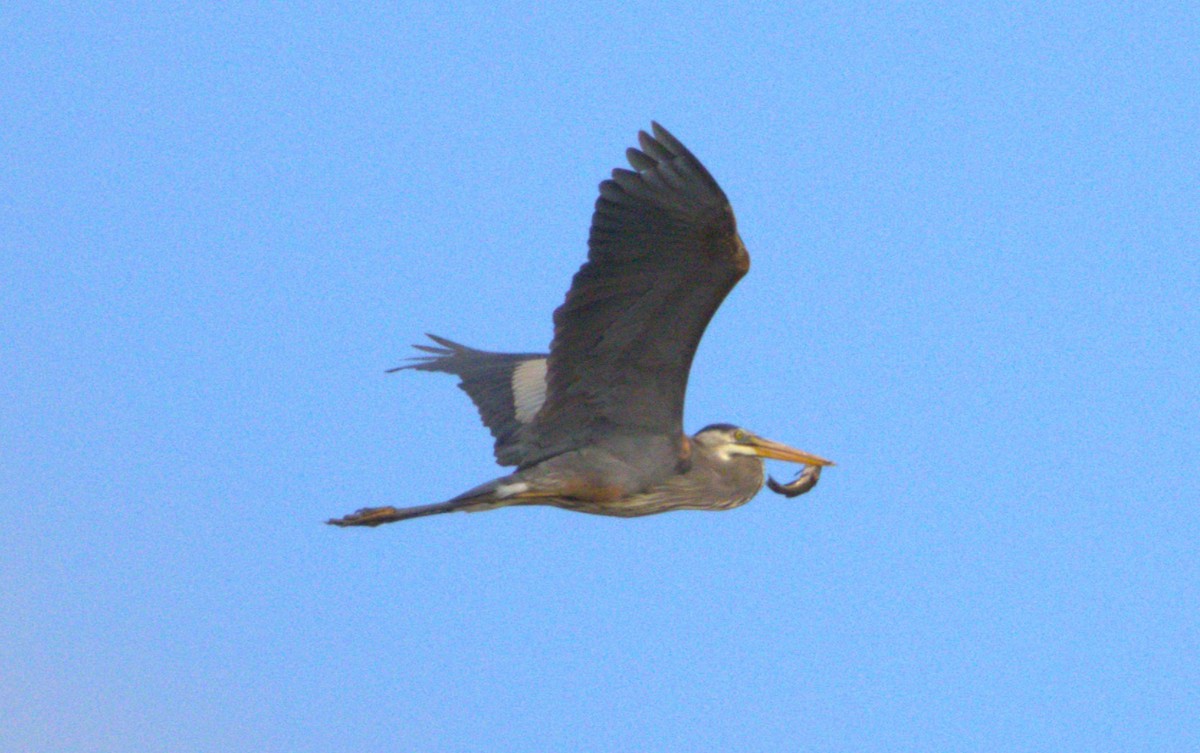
(974,234)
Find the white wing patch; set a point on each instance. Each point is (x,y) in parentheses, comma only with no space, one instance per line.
(505,491)
(529,388)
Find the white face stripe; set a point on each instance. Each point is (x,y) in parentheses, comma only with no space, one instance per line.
(529,388)
(727,451)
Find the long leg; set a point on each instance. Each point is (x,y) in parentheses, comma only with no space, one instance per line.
(501,492)
(377,516)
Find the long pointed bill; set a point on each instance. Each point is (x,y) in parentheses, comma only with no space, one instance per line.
(777,451)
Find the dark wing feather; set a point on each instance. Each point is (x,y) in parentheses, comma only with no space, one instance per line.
(492,381)
(663,253)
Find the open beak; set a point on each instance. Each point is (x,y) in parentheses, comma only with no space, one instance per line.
(776,451)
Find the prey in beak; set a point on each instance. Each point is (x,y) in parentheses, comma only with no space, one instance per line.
(807,478)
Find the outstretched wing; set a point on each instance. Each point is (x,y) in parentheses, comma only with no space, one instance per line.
(663,253)
(508,389)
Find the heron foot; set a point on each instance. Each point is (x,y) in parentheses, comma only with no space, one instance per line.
(367,516)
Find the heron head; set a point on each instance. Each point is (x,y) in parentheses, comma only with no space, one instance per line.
(728,441)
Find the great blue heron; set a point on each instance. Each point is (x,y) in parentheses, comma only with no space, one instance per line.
(596,425)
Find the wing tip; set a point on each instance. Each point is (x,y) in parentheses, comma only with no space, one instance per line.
(640,160)
(668,140)
(444,348)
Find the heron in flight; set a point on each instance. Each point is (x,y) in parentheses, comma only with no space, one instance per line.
(596,425)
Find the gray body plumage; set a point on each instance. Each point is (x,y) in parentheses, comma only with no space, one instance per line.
(646,464)
(596,424)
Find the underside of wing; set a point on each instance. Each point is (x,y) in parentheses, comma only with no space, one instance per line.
(508,389)
(663,253)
